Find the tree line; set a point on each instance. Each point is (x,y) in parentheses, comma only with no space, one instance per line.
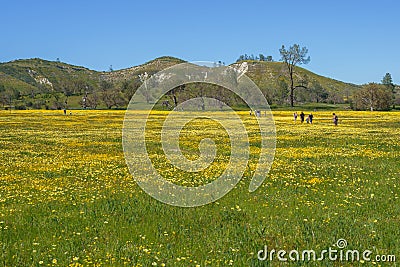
(260,57)
(374,96)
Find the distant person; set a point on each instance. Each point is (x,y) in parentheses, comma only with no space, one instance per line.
(302,117)
(65,111)
(310,117)
(335,119)
(295,116)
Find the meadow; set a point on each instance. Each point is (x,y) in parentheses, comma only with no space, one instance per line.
(68,199)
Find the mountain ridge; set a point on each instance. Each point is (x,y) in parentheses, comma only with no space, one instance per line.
(37,82)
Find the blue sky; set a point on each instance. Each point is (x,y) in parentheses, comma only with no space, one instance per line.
(353,41)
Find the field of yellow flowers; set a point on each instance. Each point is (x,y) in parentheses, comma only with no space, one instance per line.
(68,199)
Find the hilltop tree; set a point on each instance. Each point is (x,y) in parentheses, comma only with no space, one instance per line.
(260,57)
(292,57)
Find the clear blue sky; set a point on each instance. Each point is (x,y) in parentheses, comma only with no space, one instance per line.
(353,40)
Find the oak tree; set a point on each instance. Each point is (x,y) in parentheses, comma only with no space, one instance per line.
(292,57)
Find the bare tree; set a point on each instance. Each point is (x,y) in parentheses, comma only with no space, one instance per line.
(292,57)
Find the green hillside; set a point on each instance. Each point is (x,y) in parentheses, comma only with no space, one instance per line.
(9,82)
(51,75)
(38,83)
(150,67)
(270,75)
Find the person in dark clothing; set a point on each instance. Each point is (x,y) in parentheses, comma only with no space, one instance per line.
(335,119)
(310,117)
(302,117)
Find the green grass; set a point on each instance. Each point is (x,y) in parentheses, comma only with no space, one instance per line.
(67,198)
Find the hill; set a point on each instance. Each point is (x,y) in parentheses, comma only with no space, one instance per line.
(38,83)
(272,79)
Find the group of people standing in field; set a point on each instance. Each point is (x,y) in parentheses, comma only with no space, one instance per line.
(310,118)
